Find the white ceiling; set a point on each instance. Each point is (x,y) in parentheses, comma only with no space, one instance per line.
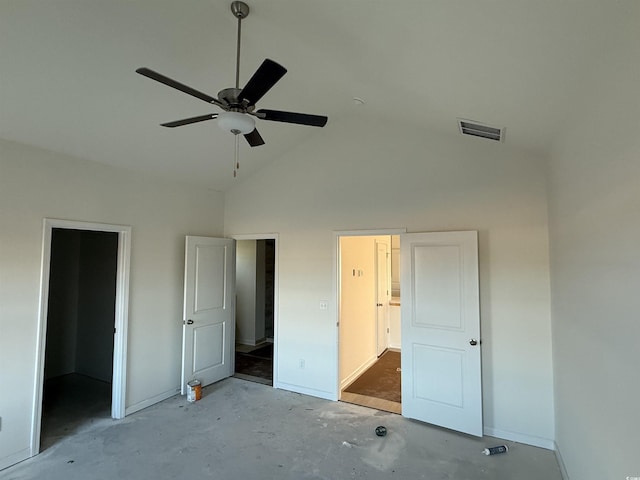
(68,81)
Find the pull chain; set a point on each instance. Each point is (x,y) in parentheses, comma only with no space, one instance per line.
(236,156)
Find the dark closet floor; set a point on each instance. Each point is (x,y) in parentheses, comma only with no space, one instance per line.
(255,364)
(71,403)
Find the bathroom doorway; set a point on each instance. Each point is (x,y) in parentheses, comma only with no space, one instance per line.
(255,309)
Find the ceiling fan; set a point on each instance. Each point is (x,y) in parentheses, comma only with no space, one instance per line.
(238,105)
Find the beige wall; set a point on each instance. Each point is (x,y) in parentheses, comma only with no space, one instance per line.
(246,292)
(35,184)
(359,174)
(357,333)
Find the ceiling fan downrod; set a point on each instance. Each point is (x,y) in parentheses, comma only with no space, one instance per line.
(240,10)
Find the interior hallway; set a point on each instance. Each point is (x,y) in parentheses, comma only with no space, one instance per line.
(379,386)
(243,429)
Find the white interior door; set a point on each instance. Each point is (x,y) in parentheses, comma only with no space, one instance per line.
(209,310)
(441,373)
(382,298)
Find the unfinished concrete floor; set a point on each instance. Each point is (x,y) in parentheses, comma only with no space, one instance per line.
(242,429)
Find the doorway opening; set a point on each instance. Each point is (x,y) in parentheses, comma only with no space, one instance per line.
(440,374)
(78,368)
(369,321)
(255,309)
(82,328)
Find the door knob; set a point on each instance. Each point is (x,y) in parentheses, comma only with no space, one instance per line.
(473,342)
(189,322)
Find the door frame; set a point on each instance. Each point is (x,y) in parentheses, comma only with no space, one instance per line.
(337,234)
(387,262)
(119,382)
(276,288)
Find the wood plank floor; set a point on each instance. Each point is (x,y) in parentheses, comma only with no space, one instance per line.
(372,402)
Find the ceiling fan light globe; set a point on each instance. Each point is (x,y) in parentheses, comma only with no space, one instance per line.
(236,122)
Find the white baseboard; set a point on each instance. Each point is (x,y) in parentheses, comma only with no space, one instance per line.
(306,391)
(359,371)
(532,440)
(150,401)
(14,458)
(563,469)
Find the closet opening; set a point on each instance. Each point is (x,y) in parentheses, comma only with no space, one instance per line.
(78,364)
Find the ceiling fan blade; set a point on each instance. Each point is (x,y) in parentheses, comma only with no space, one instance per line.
(262,80)
(292,117)
(187,121)
(254,139)
(158,77)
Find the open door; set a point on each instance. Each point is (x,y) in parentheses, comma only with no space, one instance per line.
(209,310)
(441,372)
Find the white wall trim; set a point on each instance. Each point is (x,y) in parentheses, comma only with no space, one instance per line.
(308,391)
(370,233)
(119,381)
(532,440)
(563,468)
(14,458)
(151,401)
(121,318)
(276,289)
(256,236)
(358,371)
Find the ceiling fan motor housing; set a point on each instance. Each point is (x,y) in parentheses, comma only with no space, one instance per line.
(229,96)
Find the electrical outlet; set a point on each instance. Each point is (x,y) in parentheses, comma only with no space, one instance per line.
(301,363)
(324,305)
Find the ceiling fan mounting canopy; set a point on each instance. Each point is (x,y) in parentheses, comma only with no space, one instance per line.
(238,105)
(239,9)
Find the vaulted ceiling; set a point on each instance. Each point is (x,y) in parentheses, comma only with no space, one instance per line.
(68,81)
